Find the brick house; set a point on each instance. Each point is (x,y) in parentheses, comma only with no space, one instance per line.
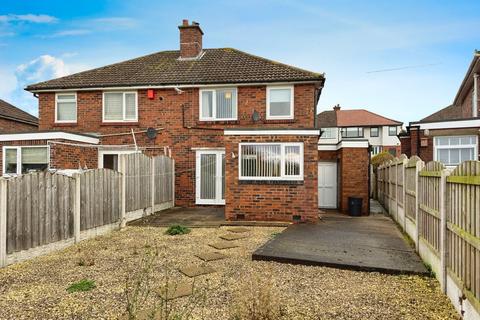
(450,135)
(13,119)
(241,128)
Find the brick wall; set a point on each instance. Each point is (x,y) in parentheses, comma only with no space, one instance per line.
(354,166)
(276,202)
(12,126)
(177,115)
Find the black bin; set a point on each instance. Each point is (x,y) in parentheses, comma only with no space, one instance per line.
(355,206)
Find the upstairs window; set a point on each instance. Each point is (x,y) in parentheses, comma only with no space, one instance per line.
(271,161)
(18,160)
(374,132)
(329,133)
(280,102)
(218,104)
(353,132)
(120,106)
(66,107)
(454,150)
(392,131)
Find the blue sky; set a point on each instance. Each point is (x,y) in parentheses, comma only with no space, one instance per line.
(430,42)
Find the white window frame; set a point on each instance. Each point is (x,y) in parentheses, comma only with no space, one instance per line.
(124,106)
(282,176)
(214,104)
(332,129)
(460,146)
(19,158)
(292,104)
(56,107)
(101,153)
(396,131)
(378,132)
(218,183)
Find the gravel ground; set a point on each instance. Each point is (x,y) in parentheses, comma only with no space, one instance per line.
(36,289)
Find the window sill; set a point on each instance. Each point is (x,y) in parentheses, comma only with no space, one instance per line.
(217,122)
(65,124)
(279,121)
(273,182)
(120,123)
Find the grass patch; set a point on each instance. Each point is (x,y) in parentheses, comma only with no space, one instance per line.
(82,285)
(177,229)
(273,235)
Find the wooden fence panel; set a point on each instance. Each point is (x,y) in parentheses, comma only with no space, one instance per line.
(99,198)
(410,187)
(463,228)
(39,210)
(163,172)
(429,204)
(400,181)
(138,181)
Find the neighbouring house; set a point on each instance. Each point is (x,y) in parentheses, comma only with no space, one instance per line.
(13,119)
(450,135)
(348,139)
(241,128)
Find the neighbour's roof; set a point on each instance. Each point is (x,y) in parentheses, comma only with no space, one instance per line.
(353,118)
(9,111)
(450,112)
(215,66)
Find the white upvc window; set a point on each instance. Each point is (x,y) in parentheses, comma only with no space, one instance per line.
(280,102)
(329,133)
(270,161)
(120,106)
(66,107)
(453,150)
(19,160)
(219,104)
(392,130)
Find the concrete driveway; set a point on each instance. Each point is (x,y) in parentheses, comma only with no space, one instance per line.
(370,243)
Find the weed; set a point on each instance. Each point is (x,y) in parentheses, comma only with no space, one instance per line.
(274,234)
(177,229)
(82,285)
(430,271)
(85,262)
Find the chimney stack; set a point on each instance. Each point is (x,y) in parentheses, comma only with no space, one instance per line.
(337,107)
(190,40)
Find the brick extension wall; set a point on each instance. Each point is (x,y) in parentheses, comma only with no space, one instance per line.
(354,164)
(12,126)
(275,202)
(178,115)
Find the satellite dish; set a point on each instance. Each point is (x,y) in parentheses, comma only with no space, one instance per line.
(255,116)
(151,133)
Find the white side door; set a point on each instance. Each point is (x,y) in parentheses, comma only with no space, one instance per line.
(327,185)
(210,177)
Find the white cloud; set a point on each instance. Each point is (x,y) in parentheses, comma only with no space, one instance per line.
(34,18)
(8,84)
(42,68)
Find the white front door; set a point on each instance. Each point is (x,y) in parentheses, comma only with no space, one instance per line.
(327,185)
(210,177)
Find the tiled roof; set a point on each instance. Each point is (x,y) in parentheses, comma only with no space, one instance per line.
(352,118)
(223,65)
(451,112)
(9,111)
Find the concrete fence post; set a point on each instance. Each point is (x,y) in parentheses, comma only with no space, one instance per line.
(3,222)
(173,182)
(152,182)
(404,188)
(123,186)
(396,191)
(77,208)
(443,230)
(418,167)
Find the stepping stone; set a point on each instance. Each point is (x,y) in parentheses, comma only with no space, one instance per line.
(210,256)
(176,290)
(238,229)
(220,245)
(233,236)
(195,271)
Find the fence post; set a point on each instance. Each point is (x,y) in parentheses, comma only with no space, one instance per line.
(443,230)
(3,222)
(404,187)
(418,168)
(123,185)
(77,208)
(173,182)
(152,182)
(397,162)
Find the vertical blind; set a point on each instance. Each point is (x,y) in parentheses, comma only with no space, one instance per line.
(219,103)
(266,161)
(66,107)
(120,106)
(208,170)
(280,101)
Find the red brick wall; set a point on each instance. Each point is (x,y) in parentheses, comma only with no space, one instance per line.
(11,126)
(172,111)
(190,41)
(276,202)
(354,164)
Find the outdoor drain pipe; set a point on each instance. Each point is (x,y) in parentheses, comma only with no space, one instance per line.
(475,95)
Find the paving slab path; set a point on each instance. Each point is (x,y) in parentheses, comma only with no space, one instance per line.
(360,243)
(233,236)
(210,256)
(195,271)
(221,245)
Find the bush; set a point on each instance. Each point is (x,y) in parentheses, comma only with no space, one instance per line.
(82,285)
(380,158)
(177,229)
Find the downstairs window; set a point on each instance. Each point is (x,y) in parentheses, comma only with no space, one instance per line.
(271,161)
(19,160)
(454,150)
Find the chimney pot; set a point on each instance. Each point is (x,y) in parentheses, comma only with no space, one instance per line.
(337,107)
(185,22)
